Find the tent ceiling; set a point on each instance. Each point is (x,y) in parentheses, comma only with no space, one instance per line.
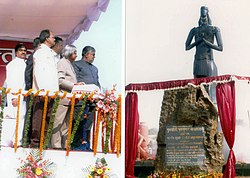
(25,19)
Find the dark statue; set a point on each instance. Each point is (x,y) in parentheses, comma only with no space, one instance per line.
(204,35)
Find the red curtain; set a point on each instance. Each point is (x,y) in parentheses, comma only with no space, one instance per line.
(225,95)
(180,83)
(132,125)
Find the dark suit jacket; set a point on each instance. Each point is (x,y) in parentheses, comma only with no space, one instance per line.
(86,72)
(29,73)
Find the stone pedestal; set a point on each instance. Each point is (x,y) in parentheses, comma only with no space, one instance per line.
(188,139)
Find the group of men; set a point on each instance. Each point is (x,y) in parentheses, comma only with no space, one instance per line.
(40,72)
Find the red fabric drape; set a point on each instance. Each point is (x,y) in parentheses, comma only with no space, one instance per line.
(225,95)
(132,125)
(179,83)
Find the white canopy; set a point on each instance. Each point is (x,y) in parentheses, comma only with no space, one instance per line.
(24,19)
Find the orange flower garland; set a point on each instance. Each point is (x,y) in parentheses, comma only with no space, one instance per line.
(17,119)
(82,96)
(37,93)
(64,95)
(94,126)
(43,121)
(8,90)
(118,128)
(104,124)
(28,93)
(70,123)
(55,95)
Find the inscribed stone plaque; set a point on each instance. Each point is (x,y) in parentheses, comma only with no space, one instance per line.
(184,146)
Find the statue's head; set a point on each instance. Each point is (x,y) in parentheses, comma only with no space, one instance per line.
(204,16)
(204,11)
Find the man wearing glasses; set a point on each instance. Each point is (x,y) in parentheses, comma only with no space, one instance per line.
(45,78)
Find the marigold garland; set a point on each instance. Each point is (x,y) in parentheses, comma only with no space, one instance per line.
(78,119)
(91,95)
(111,120)
(28,93)
(94,127)
(118,128)
(37,93)
(3,94)
(51,121)
(17,119)
(64,94)
(70,123)
(8,90)
(27,121)
(43,121)
(178,174)
(103,132)
(55,95)
(82,96)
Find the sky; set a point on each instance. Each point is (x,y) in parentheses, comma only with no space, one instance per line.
(155,43)
(105,36)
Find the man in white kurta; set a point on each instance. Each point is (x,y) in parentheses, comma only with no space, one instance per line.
(15,80)
(45,78)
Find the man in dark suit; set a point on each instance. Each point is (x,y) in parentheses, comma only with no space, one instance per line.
(29,67)
(28,85)
(86,73)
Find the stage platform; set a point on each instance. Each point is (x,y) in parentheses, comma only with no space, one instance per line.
(66,166)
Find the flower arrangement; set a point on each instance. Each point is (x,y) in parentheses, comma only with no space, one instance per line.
(107,102)
(35,167)
(107,107)
(100,169)
(164,174)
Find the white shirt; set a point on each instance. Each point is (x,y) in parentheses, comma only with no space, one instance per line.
(15,76)
(15,80)
(44,69)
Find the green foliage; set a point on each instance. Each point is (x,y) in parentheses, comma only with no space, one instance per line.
(1,113)
(51,122)
(78,119)
(27,121)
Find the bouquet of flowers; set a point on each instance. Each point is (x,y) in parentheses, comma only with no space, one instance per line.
(100,169)
(107,102)
(35,167)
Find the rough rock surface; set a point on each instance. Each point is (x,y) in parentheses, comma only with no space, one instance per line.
(191,107)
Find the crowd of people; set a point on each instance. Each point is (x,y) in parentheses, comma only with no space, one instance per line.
(51,67)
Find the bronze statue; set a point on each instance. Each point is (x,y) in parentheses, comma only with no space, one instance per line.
(204,34)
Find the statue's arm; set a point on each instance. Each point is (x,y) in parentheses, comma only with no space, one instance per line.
(219,45)
(188,43)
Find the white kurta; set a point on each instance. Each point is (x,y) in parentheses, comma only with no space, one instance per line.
(45,70)
(14,80)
